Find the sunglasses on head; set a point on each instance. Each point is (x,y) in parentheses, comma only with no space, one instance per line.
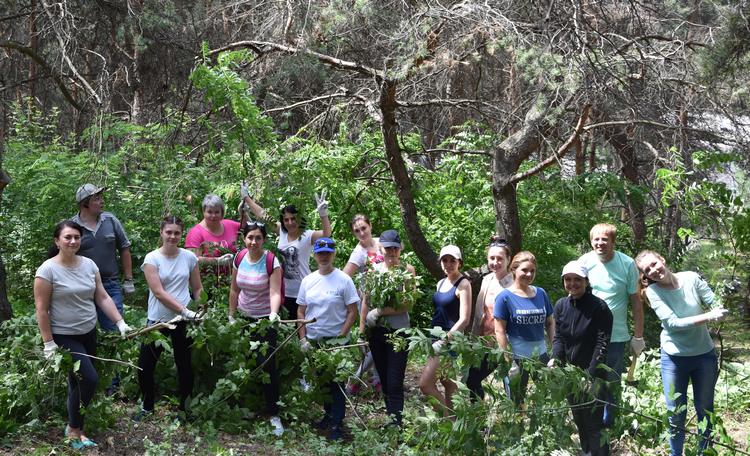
(258,224)
(497,242)
(323,244)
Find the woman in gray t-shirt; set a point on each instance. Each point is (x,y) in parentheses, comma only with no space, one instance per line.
(67,289)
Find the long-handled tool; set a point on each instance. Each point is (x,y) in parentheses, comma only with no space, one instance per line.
(630,380)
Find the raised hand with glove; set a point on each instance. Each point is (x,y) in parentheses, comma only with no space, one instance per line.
(321,204)
(273,317)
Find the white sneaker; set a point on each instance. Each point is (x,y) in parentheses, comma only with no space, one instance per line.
(305,385)
(278,428)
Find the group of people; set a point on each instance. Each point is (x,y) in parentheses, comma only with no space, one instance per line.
(587,328)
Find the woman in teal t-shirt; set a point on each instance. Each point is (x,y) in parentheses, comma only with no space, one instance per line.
(687,351)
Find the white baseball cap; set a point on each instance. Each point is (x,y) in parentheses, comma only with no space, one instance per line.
(577,268)
(451,250)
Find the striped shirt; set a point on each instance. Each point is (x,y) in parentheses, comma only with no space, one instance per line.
(255,286)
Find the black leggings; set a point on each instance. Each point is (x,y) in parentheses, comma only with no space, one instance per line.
(150,356)
(81,384)
(477,375)
(290,304)
(271,390)
(588,420)
(391,366)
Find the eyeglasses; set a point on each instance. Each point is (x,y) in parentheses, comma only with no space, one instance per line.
(498,242)
(320,244)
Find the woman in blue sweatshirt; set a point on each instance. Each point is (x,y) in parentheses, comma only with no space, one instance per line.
(687,351)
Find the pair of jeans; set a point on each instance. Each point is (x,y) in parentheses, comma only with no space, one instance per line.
(271,390)
(676,373)
(477,375)
(515,388)
(616,362)
(391,367)
(115,292)
(81,384)
(149,356)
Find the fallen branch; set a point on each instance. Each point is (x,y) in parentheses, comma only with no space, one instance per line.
(107,359)
(339,347)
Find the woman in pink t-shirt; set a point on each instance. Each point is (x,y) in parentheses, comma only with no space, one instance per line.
(213,239)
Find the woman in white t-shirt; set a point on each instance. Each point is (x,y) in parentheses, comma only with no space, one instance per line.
(256,293)
(172,273)
(67,289)
(367,250)
(295,242)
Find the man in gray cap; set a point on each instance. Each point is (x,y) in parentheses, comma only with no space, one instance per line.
(103,237)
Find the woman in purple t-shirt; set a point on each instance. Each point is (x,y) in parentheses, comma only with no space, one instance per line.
(522,314)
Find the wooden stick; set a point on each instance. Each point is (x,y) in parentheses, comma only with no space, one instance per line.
(161,325)
(107,359)
(300,321)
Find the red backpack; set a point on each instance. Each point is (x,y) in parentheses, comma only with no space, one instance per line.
(269,267)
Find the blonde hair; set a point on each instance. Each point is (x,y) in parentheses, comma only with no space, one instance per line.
(519,258)
(643,254)
(609,229)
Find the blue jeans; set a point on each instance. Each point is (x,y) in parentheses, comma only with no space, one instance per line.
(676,373)
(115,292)
(616,362)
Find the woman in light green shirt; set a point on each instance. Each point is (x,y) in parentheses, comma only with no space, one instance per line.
(681,301)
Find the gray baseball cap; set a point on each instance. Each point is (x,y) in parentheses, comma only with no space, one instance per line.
(86,190)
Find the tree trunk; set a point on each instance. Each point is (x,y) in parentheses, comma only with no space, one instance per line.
(623,145)
(401,179)
(6,311)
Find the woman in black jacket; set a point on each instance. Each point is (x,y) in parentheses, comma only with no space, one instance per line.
(584,326)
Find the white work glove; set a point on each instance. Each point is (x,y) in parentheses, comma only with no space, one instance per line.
(637,344)
(273,317)
(187,314)
(718,314)
(372,317)
(322,204)
(128,287)
(225,260)
(552,363)
(514,370)
(49,349)
(243,191)
(232,320)
(437,346)
(123,327)
(305,345)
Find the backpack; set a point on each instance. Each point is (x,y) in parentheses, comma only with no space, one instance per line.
(269,267)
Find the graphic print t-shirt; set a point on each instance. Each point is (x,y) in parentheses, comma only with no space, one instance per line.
(296,256)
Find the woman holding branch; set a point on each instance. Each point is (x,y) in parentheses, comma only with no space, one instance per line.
(67,291)
(172,274)
(390,292)
(256,293)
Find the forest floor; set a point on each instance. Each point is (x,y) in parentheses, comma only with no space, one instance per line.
(163,434)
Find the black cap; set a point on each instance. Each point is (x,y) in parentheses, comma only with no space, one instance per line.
(390,238)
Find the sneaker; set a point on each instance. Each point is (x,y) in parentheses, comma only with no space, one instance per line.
(142,415)
(305,385)
(336,433)
(325,423)
(278,428)
(378,388)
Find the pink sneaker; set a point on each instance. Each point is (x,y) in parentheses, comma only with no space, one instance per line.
(352,389)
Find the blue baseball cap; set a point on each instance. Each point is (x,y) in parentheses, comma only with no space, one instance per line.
(324,244)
